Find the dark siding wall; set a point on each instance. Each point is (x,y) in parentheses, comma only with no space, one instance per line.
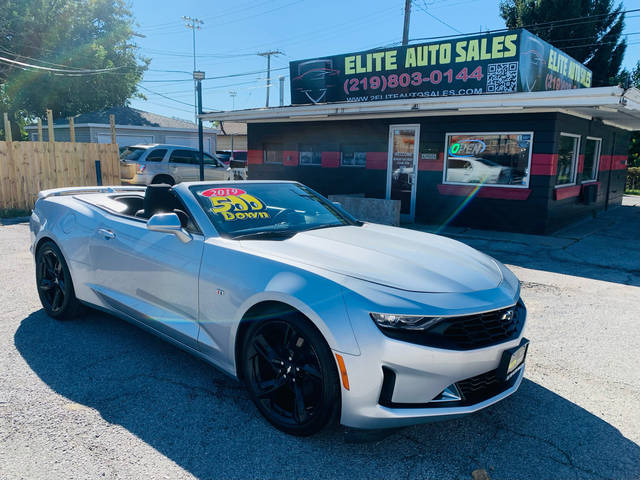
(611,171)
(328,136)
(538,213)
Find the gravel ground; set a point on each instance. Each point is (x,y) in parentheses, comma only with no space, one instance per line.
(99,398)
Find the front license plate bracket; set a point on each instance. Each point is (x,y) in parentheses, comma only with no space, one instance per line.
(512,359)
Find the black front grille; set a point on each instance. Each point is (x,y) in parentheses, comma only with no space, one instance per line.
(481,387)
(485,329)
(470,331)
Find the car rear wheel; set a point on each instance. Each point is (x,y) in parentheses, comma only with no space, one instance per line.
(166,179)
(291,375)
(53,280)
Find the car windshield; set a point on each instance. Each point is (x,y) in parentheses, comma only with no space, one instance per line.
(267,210)
(131,153)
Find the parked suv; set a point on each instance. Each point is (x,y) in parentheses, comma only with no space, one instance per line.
(158,163)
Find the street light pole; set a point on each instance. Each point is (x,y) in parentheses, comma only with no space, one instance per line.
(194,24)
(198,77)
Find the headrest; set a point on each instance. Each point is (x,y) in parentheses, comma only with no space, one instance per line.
(159,198)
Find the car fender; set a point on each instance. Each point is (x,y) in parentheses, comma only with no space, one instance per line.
(319,299)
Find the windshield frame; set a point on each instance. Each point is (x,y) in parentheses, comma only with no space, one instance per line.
(346,218)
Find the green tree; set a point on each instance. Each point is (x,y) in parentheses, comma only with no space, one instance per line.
(68,35)
(632,79)
(589,30)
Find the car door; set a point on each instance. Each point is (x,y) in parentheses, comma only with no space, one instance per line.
(183,165)
(214,169)
(151,277)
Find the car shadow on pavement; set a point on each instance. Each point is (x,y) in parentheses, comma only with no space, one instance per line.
(204,421)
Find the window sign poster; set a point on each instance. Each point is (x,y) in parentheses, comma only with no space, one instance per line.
(488,158)
(505,62)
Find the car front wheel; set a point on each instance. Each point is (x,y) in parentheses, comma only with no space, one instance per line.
(291,375)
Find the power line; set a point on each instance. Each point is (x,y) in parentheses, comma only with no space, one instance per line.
(218,24)
(591,18)
(168,98)
(72,72)
(423,7)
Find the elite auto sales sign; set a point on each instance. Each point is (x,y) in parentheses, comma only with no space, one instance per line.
(507,62)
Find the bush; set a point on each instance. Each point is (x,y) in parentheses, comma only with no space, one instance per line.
(633,180)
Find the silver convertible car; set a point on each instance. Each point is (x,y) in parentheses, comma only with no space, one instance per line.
(323,317)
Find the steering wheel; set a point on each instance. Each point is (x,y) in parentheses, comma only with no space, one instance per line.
(279,217)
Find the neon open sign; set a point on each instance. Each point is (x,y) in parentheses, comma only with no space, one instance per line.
(467,148)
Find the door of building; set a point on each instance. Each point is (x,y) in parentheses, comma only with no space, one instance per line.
(402,168)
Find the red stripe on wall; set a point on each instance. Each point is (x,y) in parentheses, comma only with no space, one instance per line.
(561,193)
(544,164)
(580,163)
(502,193)
(619,162)
(330,159)
(290,158)
(377,160)
(254,157)
(615,162)
(432,165)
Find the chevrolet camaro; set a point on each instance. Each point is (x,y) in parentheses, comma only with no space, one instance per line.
(323,317)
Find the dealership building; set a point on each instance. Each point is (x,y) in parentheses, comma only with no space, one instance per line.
(498,131)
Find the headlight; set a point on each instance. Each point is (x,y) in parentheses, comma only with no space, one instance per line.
(405,322)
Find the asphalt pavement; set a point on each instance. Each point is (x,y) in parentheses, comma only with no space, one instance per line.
(99,398)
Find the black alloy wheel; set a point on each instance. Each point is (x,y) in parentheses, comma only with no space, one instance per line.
(53,280)
(291,375)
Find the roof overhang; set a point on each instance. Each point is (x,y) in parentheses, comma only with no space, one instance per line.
(613,105)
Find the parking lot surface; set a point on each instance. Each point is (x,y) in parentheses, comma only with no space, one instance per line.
(99,398)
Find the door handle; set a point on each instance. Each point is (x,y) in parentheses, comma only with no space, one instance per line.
(108,234)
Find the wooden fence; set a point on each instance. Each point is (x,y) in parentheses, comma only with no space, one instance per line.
(28,167)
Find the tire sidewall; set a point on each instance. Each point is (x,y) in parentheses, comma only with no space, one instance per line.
(69,305)
(329,406)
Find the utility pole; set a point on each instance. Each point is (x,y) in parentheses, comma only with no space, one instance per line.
(233,94)
(268,55)
(194,24)
(407,20)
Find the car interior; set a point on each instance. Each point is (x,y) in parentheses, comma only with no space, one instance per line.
(158,198)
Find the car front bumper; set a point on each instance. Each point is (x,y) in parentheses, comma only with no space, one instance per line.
(420,374)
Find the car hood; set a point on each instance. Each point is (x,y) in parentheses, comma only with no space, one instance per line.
(394,257)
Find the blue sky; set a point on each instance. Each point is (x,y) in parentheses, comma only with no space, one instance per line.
(235,31)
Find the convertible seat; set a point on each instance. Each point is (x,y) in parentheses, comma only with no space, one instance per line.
(159,198)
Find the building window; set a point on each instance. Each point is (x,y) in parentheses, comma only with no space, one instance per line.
(568,148)
(501,159)
(273,153)
(353,156)
(591,159)
(310,155)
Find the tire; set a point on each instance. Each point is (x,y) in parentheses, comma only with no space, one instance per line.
(53,280)
(163,179)
(291,375)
